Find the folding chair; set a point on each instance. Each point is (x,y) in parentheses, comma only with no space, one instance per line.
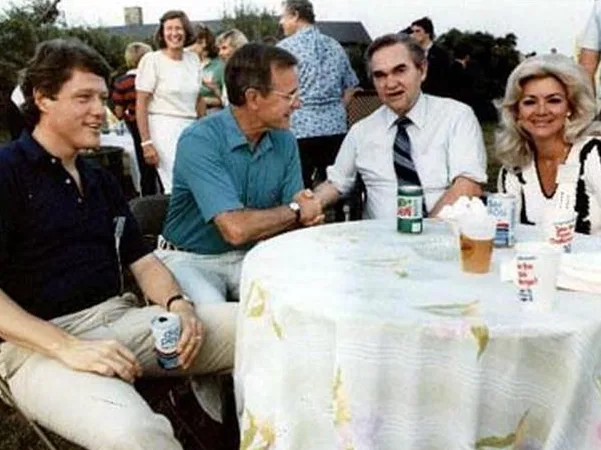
(361,105)
(150,213)
(6,395)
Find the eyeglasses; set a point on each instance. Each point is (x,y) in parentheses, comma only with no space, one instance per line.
(292,98)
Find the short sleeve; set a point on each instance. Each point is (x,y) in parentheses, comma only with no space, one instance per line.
(592,172)
(147,77)
(293,180)
(466,151)
(349,77)
(592,31)
(343,172)
(202,168)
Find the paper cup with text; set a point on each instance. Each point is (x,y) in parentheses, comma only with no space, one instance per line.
(558,228)
(537,266)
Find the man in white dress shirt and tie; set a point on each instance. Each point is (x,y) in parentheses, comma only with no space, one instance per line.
(413,138)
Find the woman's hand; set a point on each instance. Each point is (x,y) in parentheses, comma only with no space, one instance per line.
(151,156)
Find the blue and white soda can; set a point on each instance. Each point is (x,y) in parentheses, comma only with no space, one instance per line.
(503,207)
(166,329)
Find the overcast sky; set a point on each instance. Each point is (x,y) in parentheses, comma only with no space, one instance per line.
(539,24)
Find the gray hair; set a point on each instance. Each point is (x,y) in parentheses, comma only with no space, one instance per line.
(235,37)
(251,67)
(304,9)
(514,146)
(388,40)
(134,52)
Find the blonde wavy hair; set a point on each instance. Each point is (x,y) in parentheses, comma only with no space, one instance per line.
(514,146)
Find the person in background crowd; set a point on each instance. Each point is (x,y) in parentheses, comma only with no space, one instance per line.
(168,93)
(72,341)
(591,42)
(422,31)
(227,43)
(237,177)
(327,82)
(211,68)
(123,97)
(413,138)
(547,121)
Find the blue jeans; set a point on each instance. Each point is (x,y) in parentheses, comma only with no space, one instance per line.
(206,278)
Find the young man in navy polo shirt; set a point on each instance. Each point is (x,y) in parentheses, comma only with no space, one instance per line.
(73,342)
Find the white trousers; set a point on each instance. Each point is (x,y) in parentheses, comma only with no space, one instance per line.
(164,132)
(106,413)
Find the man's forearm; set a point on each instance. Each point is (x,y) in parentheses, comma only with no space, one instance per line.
(142,100)
(26,330)
(327,194)
(250,225)
(155,280)
(462,186)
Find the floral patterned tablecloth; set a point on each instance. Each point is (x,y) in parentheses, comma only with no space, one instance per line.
(353,336)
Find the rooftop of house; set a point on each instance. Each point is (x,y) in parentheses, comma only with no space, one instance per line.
(346,33)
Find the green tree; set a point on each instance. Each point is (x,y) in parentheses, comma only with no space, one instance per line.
(495,57)
(254,22)
(22,28)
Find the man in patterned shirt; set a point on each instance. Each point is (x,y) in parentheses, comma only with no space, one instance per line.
(326,79)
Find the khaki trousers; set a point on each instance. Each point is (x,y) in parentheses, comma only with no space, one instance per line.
(99,412)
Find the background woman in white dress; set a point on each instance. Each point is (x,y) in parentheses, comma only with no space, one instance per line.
(168,87)
(547,121)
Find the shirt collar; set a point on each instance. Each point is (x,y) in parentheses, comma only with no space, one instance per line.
(306,30)
(235,137)
(233,133)
(417,114)
(36,154)
(33,151)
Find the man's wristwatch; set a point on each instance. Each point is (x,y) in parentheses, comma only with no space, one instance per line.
(176,297)
(297,210)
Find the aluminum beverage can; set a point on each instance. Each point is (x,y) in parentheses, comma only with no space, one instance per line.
(410,207)
(166,330)
(503,208)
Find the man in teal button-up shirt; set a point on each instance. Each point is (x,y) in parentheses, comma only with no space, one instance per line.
(237,177)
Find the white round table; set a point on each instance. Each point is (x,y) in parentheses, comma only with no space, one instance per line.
(354,336)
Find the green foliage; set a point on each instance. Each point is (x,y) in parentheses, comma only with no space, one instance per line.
(495,58)
(23,28)
(355,55)
(254,22)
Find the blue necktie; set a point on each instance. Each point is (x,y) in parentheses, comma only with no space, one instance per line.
(403,163)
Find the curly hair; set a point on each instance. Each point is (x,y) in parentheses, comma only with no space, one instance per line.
(514,145)
(134,52)
(235,37)
(189,35)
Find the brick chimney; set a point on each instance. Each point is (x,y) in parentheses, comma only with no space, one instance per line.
(133,15)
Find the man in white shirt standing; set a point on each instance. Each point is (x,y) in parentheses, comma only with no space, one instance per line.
(441,137)
(591,42)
